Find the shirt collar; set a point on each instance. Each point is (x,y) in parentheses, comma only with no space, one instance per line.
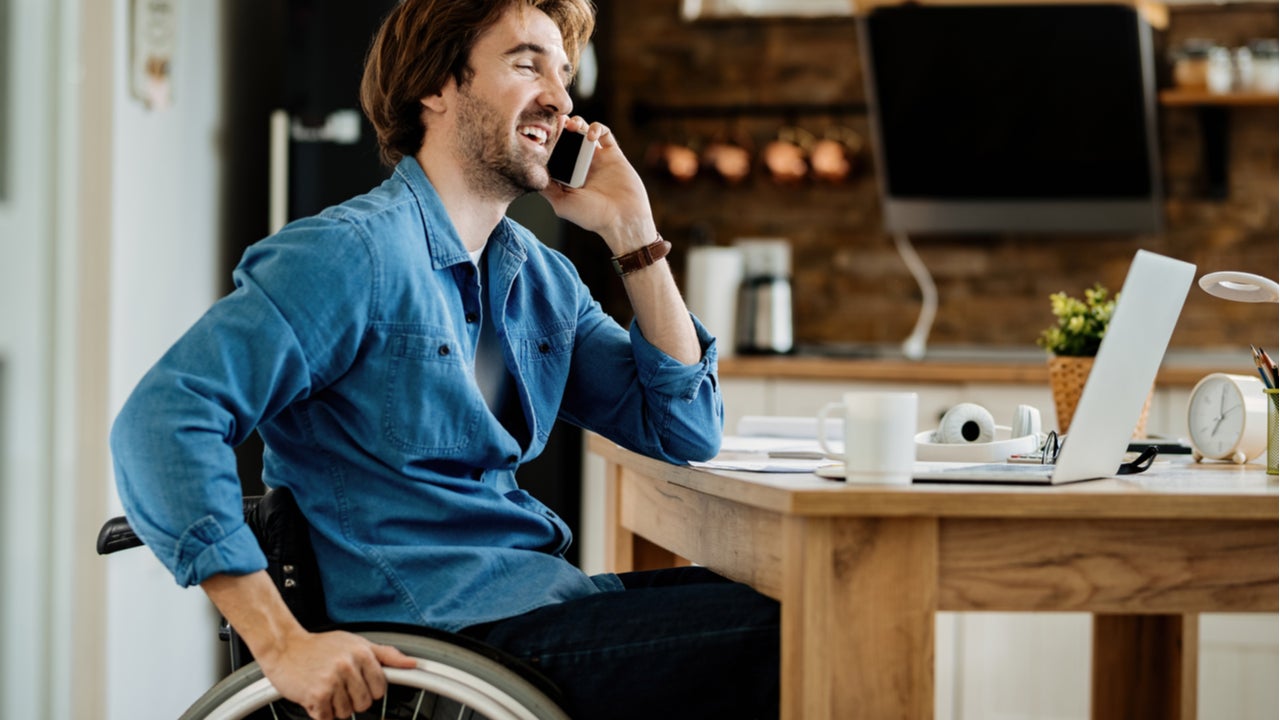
(443,244)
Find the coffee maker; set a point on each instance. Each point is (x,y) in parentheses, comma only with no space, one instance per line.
(764,322)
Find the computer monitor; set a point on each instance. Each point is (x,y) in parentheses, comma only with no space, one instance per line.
(1009,118)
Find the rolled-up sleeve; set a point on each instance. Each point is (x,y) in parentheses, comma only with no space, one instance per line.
(665,374)
(239,365)
(173,442)
(633,393)
(695,415)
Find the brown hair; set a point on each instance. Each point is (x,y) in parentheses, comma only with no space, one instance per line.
(423,43)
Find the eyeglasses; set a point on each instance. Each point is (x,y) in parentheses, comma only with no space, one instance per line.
(1052,446)
(1140,463)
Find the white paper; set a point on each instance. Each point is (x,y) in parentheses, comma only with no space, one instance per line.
(765,465)
(767,454)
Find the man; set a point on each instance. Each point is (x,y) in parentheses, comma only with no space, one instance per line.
(403,352)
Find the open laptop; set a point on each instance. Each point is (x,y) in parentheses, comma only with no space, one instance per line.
(1123,371)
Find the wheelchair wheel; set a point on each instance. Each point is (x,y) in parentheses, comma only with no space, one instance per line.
(449,682)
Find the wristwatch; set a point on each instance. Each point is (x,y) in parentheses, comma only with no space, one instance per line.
(642,258)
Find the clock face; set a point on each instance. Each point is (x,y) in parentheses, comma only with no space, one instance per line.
(1216,417)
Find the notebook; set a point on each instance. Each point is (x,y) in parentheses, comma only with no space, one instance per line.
(1123,372)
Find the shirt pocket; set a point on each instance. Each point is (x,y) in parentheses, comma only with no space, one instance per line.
(544,360)
(431,406)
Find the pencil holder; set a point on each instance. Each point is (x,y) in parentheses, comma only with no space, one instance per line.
(1273,419)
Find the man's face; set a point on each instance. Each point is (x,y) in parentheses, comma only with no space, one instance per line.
(512,110)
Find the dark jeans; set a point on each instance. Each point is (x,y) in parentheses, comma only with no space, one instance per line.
(677,643)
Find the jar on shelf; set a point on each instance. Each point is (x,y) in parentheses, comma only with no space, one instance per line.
(1243,80)
(1219,73)
(1191,64)
(1264,57)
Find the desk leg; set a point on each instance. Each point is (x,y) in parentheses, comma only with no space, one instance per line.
(624,551)
(858,608)
(1145,666)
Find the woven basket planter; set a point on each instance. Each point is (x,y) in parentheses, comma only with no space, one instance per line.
(1067,376)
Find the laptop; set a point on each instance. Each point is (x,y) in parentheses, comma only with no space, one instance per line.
(1123,372)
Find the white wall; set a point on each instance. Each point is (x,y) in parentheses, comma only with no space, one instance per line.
(25,306)
(161,639)
(75,624)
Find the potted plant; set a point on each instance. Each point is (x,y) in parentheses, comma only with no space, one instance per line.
(1072,343)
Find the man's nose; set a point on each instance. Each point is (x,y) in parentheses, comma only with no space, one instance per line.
(555,97)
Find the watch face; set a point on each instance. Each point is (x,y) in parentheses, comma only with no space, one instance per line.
(1215,418)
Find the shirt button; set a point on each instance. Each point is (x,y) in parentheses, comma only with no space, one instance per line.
(444,350)
(544,348)
(471,317)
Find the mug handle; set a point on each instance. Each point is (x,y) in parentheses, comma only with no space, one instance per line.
(822,429)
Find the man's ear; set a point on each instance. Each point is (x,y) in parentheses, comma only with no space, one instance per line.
(434,104)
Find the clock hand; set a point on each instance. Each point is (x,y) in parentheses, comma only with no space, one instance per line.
(1222,411)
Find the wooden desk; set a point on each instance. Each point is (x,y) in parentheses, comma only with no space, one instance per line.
(861,570)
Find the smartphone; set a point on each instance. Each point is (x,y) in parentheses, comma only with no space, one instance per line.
(570,159)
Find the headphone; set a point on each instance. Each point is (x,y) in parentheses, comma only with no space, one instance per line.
(968,433)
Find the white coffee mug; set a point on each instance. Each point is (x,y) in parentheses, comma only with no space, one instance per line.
(879,435)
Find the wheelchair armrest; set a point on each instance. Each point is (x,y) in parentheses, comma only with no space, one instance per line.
(116,535)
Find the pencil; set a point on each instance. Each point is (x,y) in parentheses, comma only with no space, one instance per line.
(1266,381)
(1263,372)
(1271,365)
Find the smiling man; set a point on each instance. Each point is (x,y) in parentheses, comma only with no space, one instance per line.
(403,353)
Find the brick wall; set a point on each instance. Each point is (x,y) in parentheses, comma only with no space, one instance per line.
(851,287)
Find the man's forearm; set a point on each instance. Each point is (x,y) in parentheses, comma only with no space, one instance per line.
(253,606)
(661,312)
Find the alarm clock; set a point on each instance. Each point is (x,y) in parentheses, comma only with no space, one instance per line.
(1227,418)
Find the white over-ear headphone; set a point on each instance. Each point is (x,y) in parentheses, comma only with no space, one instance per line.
(970,423)
(966,423)
(968,433)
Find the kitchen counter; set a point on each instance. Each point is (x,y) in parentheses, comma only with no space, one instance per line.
(952,365)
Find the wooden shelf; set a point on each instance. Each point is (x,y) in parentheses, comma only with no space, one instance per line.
(1213,109)
(1177,97)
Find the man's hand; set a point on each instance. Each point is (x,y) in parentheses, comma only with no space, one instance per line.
(613,202)
(331,675)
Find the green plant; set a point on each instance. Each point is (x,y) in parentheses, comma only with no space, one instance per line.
(1081,324)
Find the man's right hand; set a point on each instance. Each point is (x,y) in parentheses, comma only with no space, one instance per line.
(331,675)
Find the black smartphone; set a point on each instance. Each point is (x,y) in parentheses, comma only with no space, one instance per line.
(570,159)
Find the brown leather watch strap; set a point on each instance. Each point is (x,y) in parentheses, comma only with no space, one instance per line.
(642,258)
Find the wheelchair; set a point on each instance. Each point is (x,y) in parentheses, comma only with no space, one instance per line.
(456,676)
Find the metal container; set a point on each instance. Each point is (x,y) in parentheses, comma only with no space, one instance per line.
(764,310)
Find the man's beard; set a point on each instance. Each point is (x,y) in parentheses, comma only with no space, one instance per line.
(495,162)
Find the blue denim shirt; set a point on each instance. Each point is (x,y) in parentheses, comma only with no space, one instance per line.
(348,343)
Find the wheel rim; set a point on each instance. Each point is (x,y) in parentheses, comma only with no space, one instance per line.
(428,677)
